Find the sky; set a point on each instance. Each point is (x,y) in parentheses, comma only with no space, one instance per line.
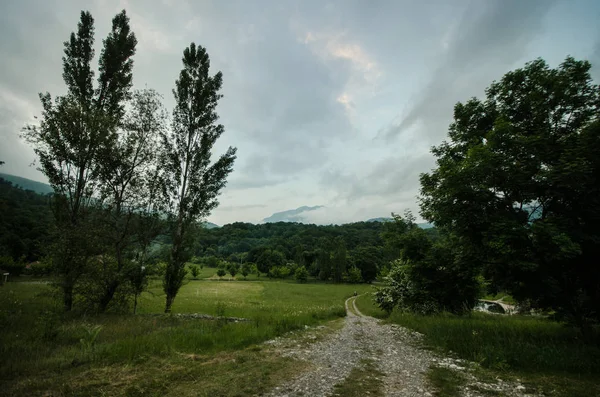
(332,103)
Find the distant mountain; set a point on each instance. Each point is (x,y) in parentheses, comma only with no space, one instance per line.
(210,225)
(379,220)
(27,184)
(291,215)
(423,225)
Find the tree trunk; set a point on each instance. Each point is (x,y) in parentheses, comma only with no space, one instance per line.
(169,303)
(109,293)
(135,303)
(68,297)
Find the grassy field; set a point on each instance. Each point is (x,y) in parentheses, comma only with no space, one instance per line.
(46,353)
(546,355)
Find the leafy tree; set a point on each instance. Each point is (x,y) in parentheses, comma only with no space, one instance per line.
(195,271)
(128,173)
(441,277)
(269,259)
(192,182)
(138,279)
(25,222)
(233,268)
(517,187)
(368,259)
(354,275)
(221,272)
(246,269)
(73,130)
(339,260)
(301,274)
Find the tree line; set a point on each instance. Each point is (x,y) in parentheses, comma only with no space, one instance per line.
(124,172)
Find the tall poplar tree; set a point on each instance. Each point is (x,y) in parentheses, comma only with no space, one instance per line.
(72,131)
(192,181)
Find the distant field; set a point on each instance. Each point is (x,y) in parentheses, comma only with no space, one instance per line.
(143,355)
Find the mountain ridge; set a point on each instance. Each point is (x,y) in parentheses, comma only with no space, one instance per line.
(27,184)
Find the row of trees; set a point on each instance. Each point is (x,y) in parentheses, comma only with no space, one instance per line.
(120,172)
(322,250)
(516,198)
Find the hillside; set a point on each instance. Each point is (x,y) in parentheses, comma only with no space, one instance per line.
(27,184)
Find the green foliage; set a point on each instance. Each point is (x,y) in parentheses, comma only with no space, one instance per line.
(88,342)
(517,186)
(191,181)
(221,272)
(75,133)
(369,260)
(25,222)
(40,268)
(301,274)
(194,271)
(246,269)
(279,272)
(268,259)
(233,268)
(15,268)
(354,276)
(430,276)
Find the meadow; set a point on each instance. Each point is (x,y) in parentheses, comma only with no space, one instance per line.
(45,352)
(547,356)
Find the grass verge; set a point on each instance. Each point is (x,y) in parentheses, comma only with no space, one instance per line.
(365,379)
(446,382)
(546,356)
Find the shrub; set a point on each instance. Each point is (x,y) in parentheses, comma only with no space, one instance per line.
(233,268)
(194,270)
(221,272)
(301,274)
(38,269)
(279,272)
(354,275)
(9,265)
(245,270)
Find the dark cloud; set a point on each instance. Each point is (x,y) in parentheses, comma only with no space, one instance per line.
(490,38)
(307,84)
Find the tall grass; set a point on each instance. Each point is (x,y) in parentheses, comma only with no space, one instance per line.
(508,342)
(35,338)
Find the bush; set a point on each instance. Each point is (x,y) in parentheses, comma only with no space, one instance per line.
(9,265)
(246,269)
(221,272)
(233,268)
(194,270)
(431,285)
(38,269)
(301,274)
(354,275)
(279,272)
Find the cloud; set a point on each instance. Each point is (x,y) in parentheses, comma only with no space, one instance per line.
(307,84)
(493,36)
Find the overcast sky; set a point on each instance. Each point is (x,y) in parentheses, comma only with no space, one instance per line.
(332,103)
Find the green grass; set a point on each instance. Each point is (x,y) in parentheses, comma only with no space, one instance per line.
(367,306)
(547,356)
(501,295)
(41,350)
(447,383)
(364,380)
(508,342)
